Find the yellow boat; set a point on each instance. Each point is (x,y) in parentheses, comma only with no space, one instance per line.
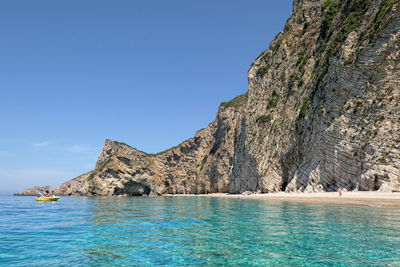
(47,198)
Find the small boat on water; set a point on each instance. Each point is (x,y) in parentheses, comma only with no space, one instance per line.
(53,198)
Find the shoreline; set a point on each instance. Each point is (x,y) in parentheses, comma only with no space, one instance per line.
(359,198)
(363,198)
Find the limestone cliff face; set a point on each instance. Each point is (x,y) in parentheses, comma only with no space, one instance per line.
(199,165)
(322,112)
(330,88)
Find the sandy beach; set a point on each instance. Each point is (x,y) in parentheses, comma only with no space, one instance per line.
(373,199)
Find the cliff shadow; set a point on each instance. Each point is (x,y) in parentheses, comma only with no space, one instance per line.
(244,175)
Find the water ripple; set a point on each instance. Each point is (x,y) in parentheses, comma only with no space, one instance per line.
(199,231)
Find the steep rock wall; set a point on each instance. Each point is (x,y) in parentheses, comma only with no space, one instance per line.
(322,112)
(334,70)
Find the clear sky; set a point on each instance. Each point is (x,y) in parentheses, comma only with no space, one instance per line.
(149,73)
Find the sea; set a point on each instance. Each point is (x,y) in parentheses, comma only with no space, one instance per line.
(194,231)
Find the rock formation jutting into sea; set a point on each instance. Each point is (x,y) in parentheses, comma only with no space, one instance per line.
(322,112)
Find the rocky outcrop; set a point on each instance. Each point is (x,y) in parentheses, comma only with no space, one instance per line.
(35,191)
(199,165)
(336,122)
(77,186)
(322,112)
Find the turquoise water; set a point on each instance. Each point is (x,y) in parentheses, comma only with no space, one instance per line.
(176,231)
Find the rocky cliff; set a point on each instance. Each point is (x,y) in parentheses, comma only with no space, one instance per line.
(322,112)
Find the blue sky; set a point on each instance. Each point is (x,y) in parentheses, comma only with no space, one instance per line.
(148,73)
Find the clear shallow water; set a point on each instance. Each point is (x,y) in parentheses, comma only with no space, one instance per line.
(194,230)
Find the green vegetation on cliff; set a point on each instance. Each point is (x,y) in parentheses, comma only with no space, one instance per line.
(203,161)
(91,176)
(382,12)
(237,102)
(304,108)
(121,143)
(263,70)
(102,166)
(274,100)
(264,118)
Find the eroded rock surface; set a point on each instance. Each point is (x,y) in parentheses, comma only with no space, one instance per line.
(35,191)
(322,112)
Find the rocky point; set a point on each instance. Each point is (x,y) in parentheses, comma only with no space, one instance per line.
(322,112)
